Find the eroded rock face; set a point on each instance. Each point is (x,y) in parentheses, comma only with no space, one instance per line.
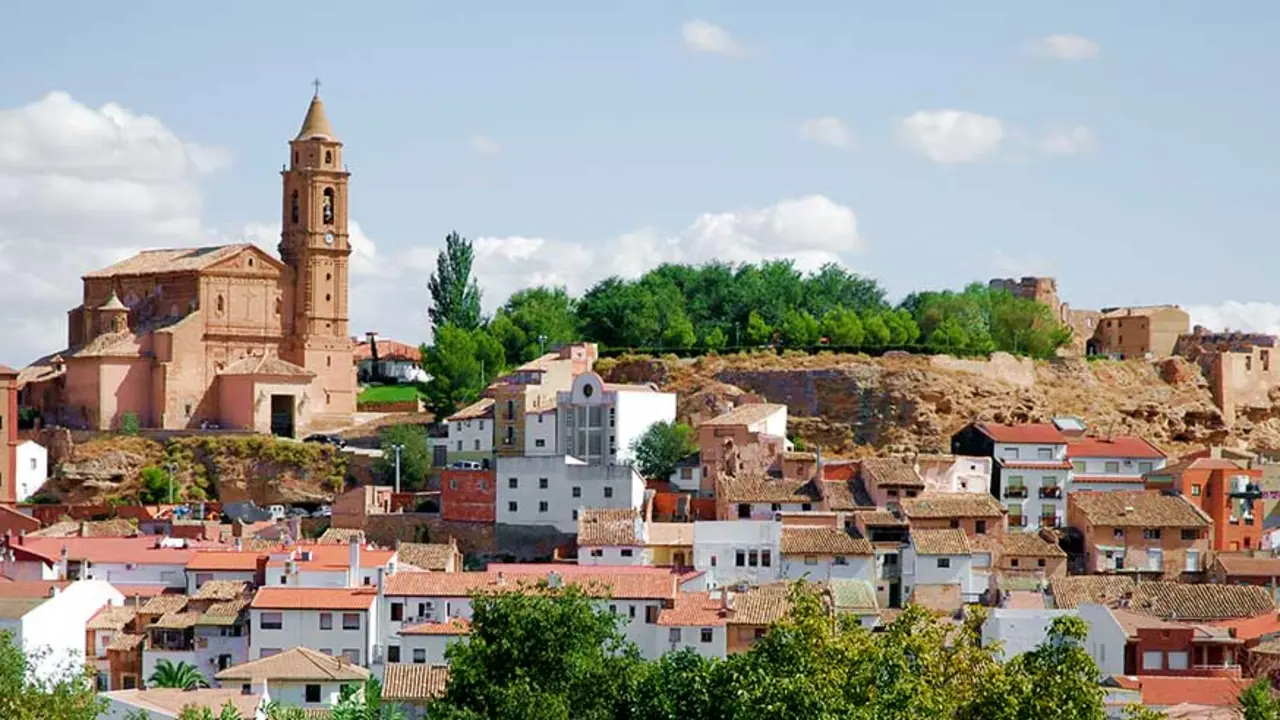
(862,405)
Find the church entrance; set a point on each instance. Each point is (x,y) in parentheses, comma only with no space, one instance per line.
(282,415)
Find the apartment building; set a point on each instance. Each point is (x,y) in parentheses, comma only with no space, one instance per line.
(1141,531)
(1118,462)
(1031,475)
(1228,493)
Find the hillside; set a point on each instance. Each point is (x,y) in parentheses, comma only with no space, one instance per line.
(860,405)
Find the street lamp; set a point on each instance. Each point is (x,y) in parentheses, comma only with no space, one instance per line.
(397,448)
(172,468)
(542,345)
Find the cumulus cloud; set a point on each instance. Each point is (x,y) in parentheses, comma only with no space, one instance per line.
(1076,140)
(701,36)
(826,131)
(951,137)
(1064,47)
(1255,316)
(81,188)
(485,145)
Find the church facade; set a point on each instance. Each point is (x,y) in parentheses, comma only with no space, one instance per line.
(227,336)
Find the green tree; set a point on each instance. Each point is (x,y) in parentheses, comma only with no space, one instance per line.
(129,424)
(679,332)
(1259,702)
(800,329)
(833,287)
(875,331)
(677,686)
(461,364)
(33,686)
(842,327)
(948,336)
(534,320)
(550,653)
(1138,712)
(154,486)
(1057,680)
(758,331)
(455,296)
(661,446)
(620,314)
(181,676)
(415,456)
(714,340)
(365,703)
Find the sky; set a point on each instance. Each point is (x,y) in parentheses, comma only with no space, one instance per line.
(1127,149)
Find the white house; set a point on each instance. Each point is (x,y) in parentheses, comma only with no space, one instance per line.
(32,468)
(354,564)
(1032,475)
(598,421)
(613,537)
(167,703)
(470,433)
(299,677)
(939,559)
(396,362)
(1107,638)
(426,643)
(1018,630)
(146,560)
(1112,463)
(540,431)
(697,621)
(730,552)
(18,562)
(954,473)
(230,565)
(551,490)
(821,553)
(335,621)
(687,476)
(53,629)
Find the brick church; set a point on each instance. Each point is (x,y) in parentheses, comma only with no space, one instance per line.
(227,336)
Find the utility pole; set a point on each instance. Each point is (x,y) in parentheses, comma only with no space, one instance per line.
(737,340)
(172,468)
(397,447)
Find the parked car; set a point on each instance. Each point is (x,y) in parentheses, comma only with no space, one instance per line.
(468,465)
(325,439)
(323,512)
(277,512)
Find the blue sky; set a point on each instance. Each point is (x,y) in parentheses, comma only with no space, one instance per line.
(602,120)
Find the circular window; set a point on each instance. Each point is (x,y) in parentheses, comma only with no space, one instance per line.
(587,390)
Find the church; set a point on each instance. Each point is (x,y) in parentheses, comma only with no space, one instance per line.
(227,336)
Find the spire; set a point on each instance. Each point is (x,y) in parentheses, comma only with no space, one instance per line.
(316,125)
(113,303)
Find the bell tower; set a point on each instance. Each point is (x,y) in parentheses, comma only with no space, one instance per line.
(314,244)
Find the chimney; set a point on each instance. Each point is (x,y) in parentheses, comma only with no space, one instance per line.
(817,449)
(502,580)
(724,600)
(239,544)
(353,561)
(380,588)
(295,528)
(84,529)
(62,563)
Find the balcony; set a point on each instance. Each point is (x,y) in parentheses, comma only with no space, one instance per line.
(1049,521)
(1015,491)
(1017,521)
(1050,492)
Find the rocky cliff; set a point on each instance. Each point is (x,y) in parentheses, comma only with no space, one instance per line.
(859,405)
(215,467)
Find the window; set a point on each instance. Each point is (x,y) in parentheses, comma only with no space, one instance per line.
(350,621)
(271,621)
(1044,453)
(511,409)
(608,492)
(453,484)
(1192,561)
(312,694)
(459,446)
(1151,534)
(1009,453)
(1112,467)
(328,157)
(484,486)
(810,560)
(577,492)
(1189,534)
(597,552)
(1079,466)
(685,473)
(1153,660)
(806,506)
(706,635)
(542,506)
(1176,659)
(513,483)
(513,506)
(673,635)
(477,444)
(955,523)
(1146,467)
(328,206)
(1195,491)
(575,515)
(542,483)
(293,200)
(766,558)
(1040,562)
(1013,562)
(775,507)
(650,615)
(627,552)
(753,558)
(631,610)
(1118,533)
(741,556)
(419,656)
(944,562)
(1248,362)
(840,560)
(759,633)
(891,492)
(393,653)
(980,527)
(539,442)
(510,438)
(326,621)
(397,612)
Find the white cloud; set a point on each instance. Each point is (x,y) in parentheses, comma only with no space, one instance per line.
(1006,265)
(952,136)
(1076,140)
(703,37)
(1064,47)
(1255,316)
(485,145)
(79,189)
(827,131)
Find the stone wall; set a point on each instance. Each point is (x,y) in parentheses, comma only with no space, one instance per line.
(479,542)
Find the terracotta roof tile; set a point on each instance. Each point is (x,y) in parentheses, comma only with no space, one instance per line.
(651,583)
(387,350)
(839,495)
(1072,592)
(748,414)
(414,683)
(762,605)
(297,664)
(768,490)
(340,536)
(891,472)
(223,613)
(1138,508)
(854,596)
(112,617)
(30,588)
(482,408)
(693,609)
(1117,446)
(938,597)
(125,642)
(170,260)
(1040,433)
(1247,565)
(116,527)
(161,604)
(804,540)
(1026,544)
(177,620)
(948,541)
(1201,602)
(951,505)
(427,556)
(226,560)
(139,550)
(607,526)
(221,590)
(455,626)
(1170,691)
(266,365)
(306,598)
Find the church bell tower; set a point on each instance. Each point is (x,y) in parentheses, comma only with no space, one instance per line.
(314,244)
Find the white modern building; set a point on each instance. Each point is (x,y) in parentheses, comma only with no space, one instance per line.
(1032,474)
(1112,463)
(552,490)
(1019,630)
(732,552)
(939,559)
(470,434)
(426,643)
(53,629)
(32,468)
(540,433)
(335,621)
(598,421)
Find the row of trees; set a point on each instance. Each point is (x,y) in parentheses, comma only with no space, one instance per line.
(711,307)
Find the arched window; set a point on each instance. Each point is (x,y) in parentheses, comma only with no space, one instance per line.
(328,157)
(293,207)
(328,206)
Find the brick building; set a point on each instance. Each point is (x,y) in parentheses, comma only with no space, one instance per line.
(1139,332)
(1220,488)
(468,495)
(1141,532)
(1238,366)
(8,434)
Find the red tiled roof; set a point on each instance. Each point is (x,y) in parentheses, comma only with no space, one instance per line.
(455,626)
(656,584)
(138,550)
(387,350)
(1043,433)
(1250,628)
(208,560)
(1167,691)
(30,588)
(1245,564)
(335,557)
(693,609)
(308,598)
(1119,446)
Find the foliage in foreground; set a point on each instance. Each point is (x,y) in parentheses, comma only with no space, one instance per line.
(661,446)
(65,691)
(181,675)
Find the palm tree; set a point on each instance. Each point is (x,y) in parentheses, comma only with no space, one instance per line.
(182,676)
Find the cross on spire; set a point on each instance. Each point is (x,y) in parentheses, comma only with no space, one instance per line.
(316,83)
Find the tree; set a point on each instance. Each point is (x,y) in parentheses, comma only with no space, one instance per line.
(800,329)
(415,456)
(619,314)
(534,320)
(661,446)
(1057,680)
(461,364)
(842,327)
(35,686)
(679,331)
(455,296)
(714,340)
(875,331)
(1259,702)
(181,676)
(948,336)
(1138,712)
(546,652)
(365,703)
(758,331)
(129,424)
(155,483)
